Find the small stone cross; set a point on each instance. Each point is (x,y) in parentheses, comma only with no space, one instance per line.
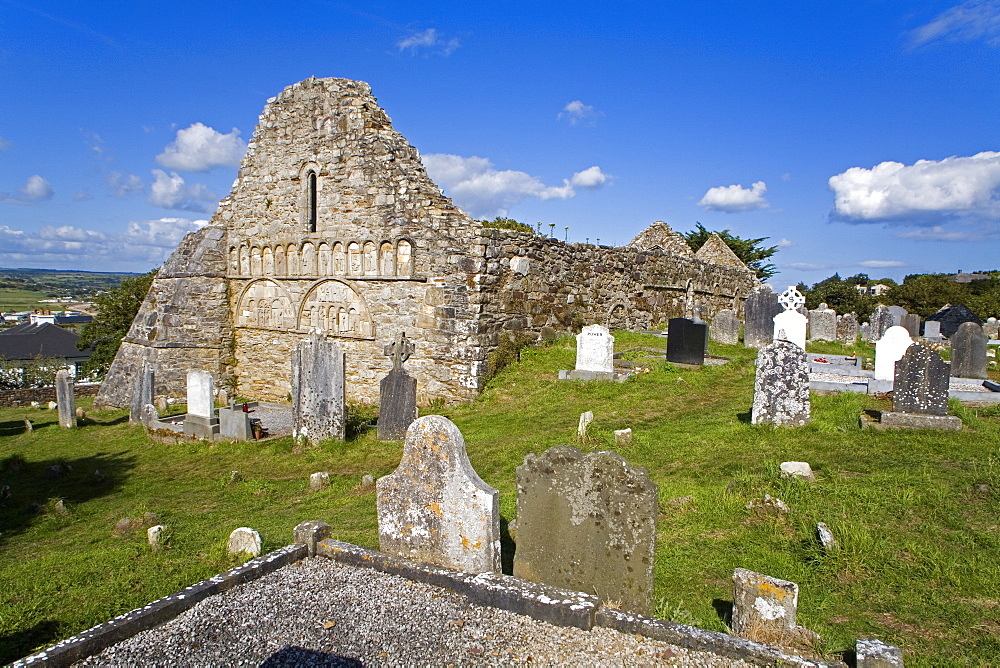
(399,351)
(791,299)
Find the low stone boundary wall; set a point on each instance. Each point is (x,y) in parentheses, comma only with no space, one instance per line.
(24,397)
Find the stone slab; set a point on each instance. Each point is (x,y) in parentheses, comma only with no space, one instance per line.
(725,328)
(872,653)
(66,398)
(895,420)
(575,374)
(318,407)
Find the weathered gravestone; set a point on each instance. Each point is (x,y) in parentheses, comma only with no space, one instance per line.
(587,522)
(765,608)
(433,507)
(874,653)
(66,398)
(847,328)
(200,421)
(911,323)
(318,408)
(761,307)
(686,341)
(932,330)
(823,324)
(888,350)
(865,331)
(968,352)
(397,405)
(142,392)
(897,313)
(920,392)
(725,327)
(244,540)
(595,349)
(781,386)
(992,328)
(881,321)
(790,324)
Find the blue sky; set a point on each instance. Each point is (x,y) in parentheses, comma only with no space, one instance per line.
(860,136)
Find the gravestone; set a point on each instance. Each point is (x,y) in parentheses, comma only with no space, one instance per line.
(587,522)
(434,507)
(595,349)
(932,330)
(790,325)
(244,540)
(585,419)
(865,331)
(888,350)
(154,535)
(66,398)
(397,405)
(234,422)
(686,341)
(823,324)
(897,313)
(881,320)
(761,307)
(968,352)
(142,392)
(874,653)
(781,385)
(920,392)
(764,608)
(992,328)
(200,421)
(911,323)
(847,328)
(725,328)
(318,409)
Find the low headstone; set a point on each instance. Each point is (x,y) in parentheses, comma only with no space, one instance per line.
(992,328)
(768,505)
(932,330)
(244,539)
(397,405)
(581,429)
(790,325)
(595,349)
(686,341)
(888,350)
(873,653)
(968,352)
(155,536)
(800,470)
(27,425)
(781,385)
(847,328)
(623,436)
(823,324)
(881,321)
(319,480)
(865,331)
(318,409)
(234,423)
(52,405)
(725,328)
(897,313)
(142,392)
(761,307)
(764,608)
(825,536)
(434,507)
(587,522)
(66,399)
(911,323)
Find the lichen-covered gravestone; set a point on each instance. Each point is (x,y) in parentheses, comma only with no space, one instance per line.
(968,351)
(397,405)
(781,386)
(244,540)
(434,507)
(761,307)
(822,324)
(920,392)
(66,398)
(881,321)
(587,522)
(764,609)
(847,328)
(725,328)
(318,408)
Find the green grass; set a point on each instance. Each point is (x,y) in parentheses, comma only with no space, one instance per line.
(916,513)
(13,299)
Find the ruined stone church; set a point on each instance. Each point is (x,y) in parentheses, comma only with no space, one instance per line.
(333,224)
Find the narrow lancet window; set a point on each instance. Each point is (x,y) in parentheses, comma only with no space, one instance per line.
(311,179)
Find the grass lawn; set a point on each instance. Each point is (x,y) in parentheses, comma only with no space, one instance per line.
(916,513)
(23,300)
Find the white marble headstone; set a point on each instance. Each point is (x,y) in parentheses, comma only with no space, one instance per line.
(595,349)
(200,393)
(889,350)
(793,324)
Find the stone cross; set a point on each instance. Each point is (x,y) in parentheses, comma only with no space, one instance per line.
(791,299)
(595,348)
(66,398)
(888,350)
(434,507)
(318,408)
(587,522)
(921,381)
(781,385)
(968,351)
(397,404)
(399,350)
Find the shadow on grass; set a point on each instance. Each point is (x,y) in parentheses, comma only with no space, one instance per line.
(17,644)
(724,609)
(32,485)
(745,418)
(507,548)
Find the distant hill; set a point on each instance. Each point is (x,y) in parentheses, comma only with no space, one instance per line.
(61,282)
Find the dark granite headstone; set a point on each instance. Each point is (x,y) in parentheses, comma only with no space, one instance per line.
(397,405)
(921,382)
(911,322)
(968,351)
(686,341)
(761,307)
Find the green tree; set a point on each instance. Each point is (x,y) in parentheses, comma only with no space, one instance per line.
(501,223)
(750,251)
(116,309)
(926,293)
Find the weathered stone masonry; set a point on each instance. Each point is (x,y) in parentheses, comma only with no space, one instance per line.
(333,224)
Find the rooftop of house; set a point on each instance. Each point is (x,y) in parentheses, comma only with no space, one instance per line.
(28,341)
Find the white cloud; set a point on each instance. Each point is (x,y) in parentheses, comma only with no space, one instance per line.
(428,40)
(171,192)
(36,189)
(576,112)
(881,264)
(966,22)
(785,243)
(483,191)
(162,233)
(198,148)
(808,266)
(926,190)
(121,184)
(82,196)
(4,144)
(735,198)
(940,233)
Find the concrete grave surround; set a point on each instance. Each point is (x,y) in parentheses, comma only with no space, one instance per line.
(318,408)
(968,351)
(200,393)
(66,399)
(725,327)
(781,385)
(333,224)
(595,349)
(587,522)
(761,307)
(244,540)
(434,507)
(823,324)
(888,350)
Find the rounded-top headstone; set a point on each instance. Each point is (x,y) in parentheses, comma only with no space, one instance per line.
(244,539)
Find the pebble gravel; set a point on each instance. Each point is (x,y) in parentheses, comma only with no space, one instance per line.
(318,612)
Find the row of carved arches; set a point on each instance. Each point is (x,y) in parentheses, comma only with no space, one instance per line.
(354,258)
(331,305)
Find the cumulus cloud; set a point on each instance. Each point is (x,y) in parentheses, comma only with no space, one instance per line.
(199,148)
(428,41)
(966,22)
(578,113)
(921,193)
(36,189)
(483,191)
(735,198)
(785,243)
(171,192)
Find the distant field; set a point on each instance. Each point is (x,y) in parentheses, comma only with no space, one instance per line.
(12,299)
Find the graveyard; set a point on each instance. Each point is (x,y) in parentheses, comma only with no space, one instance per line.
(913,512)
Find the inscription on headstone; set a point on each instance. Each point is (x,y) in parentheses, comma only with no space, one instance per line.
(397,406)
(66,398)
(587,522)
(781,385)
(968,352)
(686,341)
(595,349)
(318,408)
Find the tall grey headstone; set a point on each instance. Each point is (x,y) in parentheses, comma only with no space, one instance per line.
(921,382)
(200,393)
(897,313)
(595,349)
(932,330)
(847,328)
(761,307)
(397,404)
(781,386)
(888,350)
(587,522)
(66,398)
(434,507)
(968,352)
(318,409)
(142,392)
(725,328)
(823,324)
(865,331)
(881,320)
(911,323)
